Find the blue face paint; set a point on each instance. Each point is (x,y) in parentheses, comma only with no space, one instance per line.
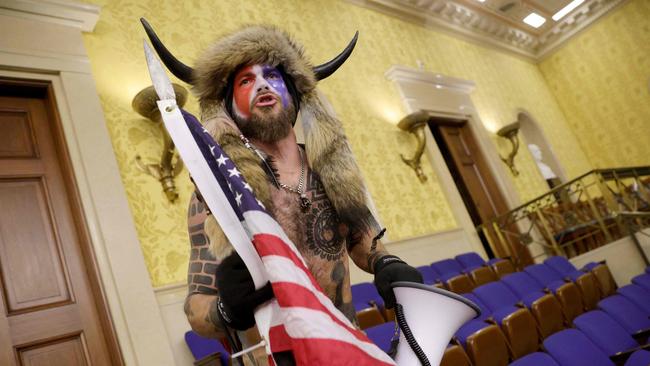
(274,78)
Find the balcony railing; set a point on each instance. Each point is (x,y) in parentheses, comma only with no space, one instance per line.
(590,211)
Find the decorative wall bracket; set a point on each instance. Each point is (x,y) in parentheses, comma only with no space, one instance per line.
(510,132)
(168,168)
(415,123)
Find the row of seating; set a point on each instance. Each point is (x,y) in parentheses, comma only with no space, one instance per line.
(524,308)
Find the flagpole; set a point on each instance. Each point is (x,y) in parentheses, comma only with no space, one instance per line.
(213,196)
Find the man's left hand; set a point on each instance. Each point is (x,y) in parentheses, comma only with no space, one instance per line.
(389,269)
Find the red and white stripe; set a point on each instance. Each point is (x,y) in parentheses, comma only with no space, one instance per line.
(305,320)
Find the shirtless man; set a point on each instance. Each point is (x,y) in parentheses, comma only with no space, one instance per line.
(251,84)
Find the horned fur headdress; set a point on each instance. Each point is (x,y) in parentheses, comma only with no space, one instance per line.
(327,149)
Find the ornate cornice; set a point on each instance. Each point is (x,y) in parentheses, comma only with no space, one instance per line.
(64,12)
(485,28)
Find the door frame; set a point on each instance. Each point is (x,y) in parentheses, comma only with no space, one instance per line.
(446,97)
(63,62)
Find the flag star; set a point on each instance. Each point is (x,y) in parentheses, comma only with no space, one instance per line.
(212,150)
(230,186)
(247,186)
(222,160)
(238,197)
(234,172)
(205,131)
(260,203)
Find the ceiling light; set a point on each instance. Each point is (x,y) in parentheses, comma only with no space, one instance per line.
(481,1)
(567,9)
(534,20)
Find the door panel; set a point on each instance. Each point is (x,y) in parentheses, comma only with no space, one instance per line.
(16,135)
(48,312)
(23,247)
(70,351)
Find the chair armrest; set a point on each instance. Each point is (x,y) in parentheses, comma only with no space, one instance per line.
(621,357)
(642,334)
(209,360)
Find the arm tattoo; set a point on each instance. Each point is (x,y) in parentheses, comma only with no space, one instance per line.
(203,265)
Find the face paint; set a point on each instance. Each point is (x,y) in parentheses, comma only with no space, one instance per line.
(250,86)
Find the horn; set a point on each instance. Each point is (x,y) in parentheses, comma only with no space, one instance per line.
(424,333)
(179,69)
(328,68)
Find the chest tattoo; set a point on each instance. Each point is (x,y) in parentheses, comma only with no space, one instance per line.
(326,234)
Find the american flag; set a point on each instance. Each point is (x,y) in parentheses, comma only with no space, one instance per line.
(302,318)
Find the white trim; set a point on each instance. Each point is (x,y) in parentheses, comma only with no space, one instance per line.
(490,30)
(62,12)
(136,317)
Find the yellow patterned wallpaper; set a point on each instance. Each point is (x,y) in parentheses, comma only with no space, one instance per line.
(366,102)
(601,79)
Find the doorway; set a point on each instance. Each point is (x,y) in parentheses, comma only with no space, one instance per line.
(52,310)
(475,181)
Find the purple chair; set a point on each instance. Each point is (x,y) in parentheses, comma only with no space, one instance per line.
(429,275)
(381,335)
(365,295)
(545,307)
(637,295)
(517,323)
(567,292)
(524,286)
(571,347)
(473,325)
(628,315)
(642,280)
(545,276)
(447,268)
(535,359)
(451,274)
(606,333)
(470,260)
(201,347)
(498,297)
(563,267)
(586,281)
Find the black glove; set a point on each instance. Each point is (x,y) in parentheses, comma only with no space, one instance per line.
(237,295)
(389,269)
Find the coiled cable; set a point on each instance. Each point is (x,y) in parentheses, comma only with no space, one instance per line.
(401,321)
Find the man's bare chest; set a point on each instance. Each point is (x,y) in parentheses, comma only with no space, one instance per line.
(316,230)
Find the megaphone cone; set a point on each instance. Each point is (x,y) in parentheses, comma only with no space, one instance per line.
(428,317)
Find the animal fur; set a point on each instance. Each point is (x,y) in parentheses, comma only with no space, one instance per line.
(328,151)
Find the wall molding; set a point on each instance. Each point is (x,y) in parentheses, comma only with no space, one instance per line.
(488,29)
(62,12)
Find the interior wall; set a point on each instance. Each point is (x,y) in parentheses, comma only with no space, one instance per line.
(367,103)
(601,80)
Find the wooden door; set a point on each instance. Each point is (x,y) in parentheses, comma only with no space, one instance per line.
(49,308)
(474,179)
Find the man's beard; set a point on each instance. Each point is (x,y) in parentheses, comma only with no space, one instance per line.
(265,126)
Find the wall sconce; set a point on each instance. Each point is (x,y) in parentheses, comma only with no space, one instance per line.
(415,123)
(145,104)
(510,132)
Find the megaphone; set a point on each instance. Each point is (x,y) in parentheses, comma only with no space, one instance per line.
(428,317)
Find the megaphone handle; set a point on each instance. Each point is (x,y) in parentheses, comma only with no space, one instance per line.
(408,335)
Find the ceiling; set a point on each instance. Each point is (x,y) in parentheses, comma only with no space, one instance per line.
(499,23)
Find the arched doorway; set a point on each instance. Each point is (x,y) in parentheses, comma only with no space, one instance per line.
(537,144)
